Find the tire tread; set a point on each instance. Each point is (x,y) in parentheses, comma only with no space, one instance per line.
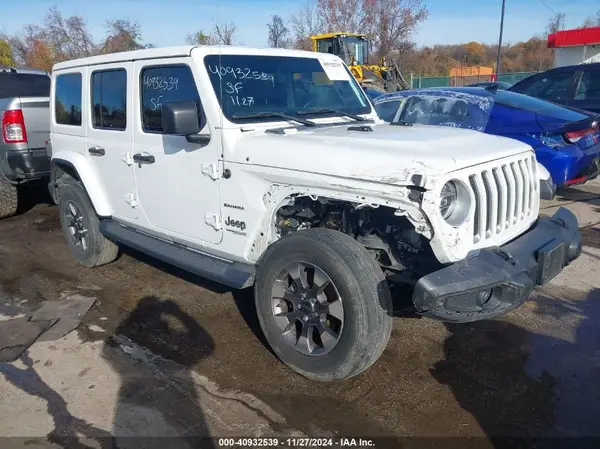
(9,199)
(105,251)
(356,259)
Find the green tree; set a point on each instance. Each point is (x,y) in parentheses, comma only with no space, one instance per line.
(6,56)
(200,38)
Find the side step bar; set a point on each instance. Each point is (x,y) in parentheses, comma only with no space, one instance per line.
(233,274)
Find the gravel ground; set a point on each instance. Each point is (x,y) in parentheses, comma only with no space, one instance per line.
(164,353)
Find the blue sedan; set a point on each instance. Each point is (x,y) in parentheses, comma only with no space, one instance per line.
(566,141)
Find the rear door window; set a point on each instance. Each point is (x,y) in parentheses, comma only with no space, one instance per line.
(589,86)
(538,106)
(24,85)
(552,87)
(109,99)
(67,102)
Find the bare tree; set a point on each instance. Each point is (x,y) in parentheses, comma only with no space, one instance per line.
(389,23)
(200,38)
(22,44)
(392,23)
(556,23)
(306,22)
(225,33)
(342,15)
(591,21)
(122,35)
(60,38)
(30,49)
(67,36)
(278,33)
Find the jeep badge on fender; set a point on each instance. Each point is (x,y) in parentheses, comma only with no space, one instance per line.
(235,223)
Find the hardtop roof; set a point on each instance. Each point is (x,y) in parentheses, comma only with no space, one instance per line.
(182,51)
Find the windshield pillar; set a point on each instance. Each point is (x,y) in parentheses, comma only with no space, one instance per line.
(341,49)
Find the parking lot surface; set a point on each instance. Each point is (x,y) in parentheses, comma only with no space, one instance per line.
(164,353)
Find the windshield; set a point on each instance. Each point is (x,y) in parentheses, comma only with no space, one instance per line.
(467,110)
(248,85)
(356,48)
(450,108)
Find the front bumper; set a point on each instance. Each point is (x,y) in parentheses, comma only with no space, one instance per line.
(500,278)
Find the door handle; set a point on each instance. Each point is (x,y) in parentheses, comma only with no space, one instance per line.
(143,158)
(96,151)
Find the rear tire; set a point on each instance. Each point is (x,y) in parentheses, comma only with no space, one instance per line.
(80,226)
(359,285)
(9,198)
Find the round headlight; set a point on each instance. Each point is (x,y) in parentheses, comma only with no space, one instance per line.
(455,202)
(449,197)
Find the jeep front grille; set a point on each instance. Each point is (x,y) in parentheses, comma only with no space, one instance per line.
(504,196)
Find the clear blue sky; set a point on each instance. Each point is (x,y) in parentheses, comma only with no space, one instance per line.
(166,22)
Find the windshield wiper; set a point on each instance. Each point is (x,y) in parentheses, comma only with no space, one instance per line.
(274,114)
(401,123)
(358,118)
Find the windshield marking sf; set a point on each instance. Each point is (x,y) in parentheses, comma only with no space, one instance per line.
(271,87)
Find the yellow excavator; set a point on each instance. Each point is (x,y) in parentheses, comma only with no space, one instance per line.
(354,51)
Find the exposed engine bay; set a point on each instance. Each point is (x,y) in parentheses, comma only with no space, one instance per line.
(391,239)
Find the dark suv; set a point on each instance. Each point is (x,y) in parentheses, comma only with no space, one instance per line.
(576,86)
(24,117)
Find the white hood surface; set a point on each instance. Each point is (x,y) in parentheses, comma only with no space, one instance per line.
(389,153)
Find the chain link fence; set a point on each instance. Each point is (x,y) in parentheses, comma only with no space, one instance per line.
(448,81)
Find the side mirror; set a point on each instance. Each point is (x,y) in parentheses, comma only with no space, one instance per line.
(180,118)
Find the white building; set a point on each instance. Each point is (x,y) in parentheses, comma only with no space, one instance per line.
(580,46)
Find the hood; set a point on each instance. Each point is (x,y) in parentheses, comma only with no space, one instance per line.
(388,153)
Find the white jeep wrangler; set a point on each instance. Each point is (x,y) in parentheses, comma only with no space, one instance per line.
(269,168)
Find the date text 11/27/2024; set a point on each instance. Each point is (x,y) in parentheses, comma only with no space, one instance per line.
(296,442)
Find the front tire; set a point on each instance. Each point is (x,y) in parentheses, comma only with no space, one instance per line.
(80,226)
(9,198)
(324,304)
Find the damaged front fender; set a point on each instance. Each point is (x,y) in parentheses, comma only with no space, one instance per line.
(279,196)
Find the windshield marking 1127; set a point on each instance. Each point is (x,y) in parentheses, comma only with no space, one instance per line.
(252,86)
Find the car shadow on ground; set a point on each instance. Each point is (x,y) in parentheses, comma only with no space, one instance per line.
(32,194)
(244,299)
(300,402)
(521,386)
(150,397)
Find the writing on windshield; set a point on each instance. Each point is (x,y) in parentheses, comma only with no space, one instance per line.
(248,84)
